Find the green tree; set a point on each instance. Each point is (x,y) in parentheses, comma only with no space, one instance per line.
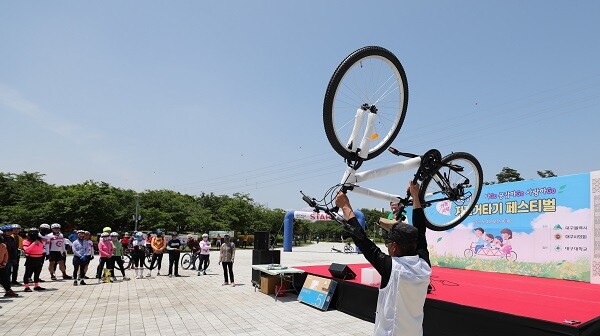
(546,173)
(508,175)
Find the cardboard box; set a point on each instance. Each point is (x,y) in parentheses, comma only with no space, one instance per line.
(267,283)
(317,291)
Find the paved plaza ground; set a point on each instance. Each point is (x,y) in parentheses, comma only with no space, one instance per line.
(191,304)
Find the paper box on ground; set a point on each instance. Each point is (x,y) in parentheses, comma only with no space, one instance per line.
(370,276)
(317,291)
(267,284)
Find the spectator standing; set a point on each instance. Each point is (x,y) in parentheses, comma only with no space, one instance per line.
(118,255)
(106,249)
(138,244)
(194,246)
(204,254)
(226,257)
(218,241)
(34,259)
(174,248)
(159,245)
(19,243)
(5,264)
(81,258)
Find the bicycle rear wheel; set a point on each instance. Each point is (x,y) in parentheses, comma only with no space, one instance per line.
(450,194)
(186,260)
(126,261)
(370,77)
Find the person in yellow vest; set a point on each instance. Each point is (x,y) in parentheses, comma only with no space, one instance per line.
(19,243)
(159,244)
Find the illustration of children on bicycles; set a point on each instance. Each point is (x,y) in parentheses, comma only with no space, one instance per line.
(489,246)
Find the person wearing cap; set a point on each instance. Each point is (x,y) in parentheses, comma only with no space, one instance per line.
(106,249)
(159,244)
(204,254)
(5,265)
(405,274)
(12,249)
(174,248)
(58,252)
(118,255)
(19,242)
(81,258)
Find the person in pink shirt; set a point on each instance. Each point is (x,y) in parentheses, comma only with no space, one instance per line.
(105,248)
(34,247)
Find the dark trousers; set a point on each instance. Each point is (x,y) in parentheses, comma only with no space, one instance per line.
(156,257)
(33,266)
(228,267)
(79,266)
(204,261)
(104,261)
(15,270)
(174,260)
(118,260)
(137,258)
(5,276)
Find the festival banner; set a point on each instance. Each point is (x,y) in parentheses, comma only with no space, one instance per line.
(539,227)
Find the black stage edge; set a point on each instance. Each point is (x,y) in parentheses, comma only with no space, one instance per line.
(444,318)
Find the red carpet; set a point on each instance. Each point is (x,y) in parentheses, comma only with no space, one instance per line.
(538,298)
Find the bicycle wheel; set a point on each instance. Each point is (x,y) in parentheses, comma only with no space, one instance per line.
(186,260)
(511,256)
(450,194)
(469,253)
(126,261)
(370,78)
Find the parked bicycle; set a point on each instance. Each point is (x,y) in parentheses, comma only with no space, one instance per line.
(364,108)
(190,259)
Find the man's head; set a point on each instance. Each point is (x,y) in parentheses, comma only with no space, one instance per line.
(16,228)
(81,234)
(394,206)
(401,240)
(55,227)
(226,238)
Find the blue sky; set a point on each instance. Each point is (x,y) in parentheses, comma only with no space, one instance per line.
(226,96)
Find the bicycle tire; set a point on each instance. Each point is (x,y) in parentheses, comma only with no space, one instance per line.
(438,214)
(126,261)
(469,253)
(186,261)
(387,115)
(511,256)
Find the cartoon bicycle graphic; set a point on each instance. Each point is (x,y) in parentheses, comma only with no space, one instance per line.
(489,246)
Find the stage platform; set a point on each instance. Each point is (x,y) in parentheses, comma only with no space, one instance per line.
(484,303)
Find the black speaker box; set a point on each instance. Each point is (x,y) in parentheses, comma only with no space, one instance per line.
(262,257)
(341,271)
(261,240)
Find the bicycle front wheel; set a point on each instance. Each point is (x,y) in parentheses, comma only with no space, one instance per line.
(126,261)
(449,195)
(371,77)
(186,260)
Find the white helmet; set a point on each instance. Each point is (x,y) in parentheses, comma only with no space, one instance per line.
(104,234)
(205,235)
(55,226)
(114,234)
(16,226)
(45,226)
(139,234)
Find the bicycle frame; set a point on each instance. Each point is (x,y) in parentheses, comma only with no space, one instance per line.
(351,177)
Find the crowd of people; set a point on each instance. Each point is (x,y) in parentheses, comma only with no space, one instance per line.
(47,243)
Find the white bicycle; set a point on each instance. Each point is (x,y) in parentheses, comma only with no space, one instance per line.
(364,109)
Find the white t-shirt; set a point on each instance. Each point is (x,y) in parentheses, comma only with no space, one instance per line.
(56,242)
(400,303)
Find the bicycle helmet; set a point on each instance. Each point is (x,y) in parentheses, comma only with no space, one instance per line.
(126,234)
(107,229)
(16,226)
(87,233)
(159,233)
(45,226)
(104,234)
(80,231)
(114,234)
(139,234)
(205,235)
(55,226)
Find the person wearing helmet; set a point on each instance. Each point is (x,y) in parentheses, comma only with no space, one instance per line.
(194,246)
(81,257)
(159,244)
(87,238)
(174,248)
(34,259)
(118,255)
(19,242)
(138,254)
(106,249)
(204,254)
(107,229)
(8,243)
(58,252)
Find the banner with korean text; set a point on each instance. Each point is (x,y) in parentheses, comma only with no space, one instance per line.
(543,227)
